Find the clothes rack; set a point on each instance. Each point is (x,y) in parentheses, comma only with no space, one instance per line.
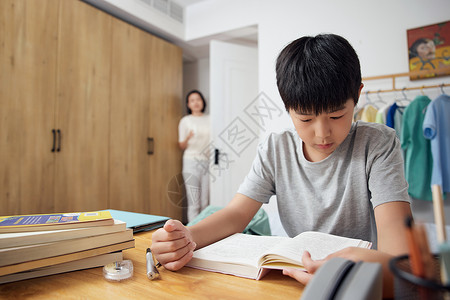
(393,77)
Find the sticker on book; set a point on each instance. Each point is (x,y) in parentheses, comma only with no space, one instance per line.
(91,214)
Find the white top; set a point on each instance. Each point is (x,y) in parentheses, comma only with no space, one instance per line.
(198,144)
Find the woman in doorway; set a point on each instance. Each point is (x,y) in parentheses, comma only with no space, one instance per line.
(193,138)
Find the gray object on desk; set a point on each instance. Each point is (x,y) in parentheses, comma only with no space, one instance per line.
(340,278)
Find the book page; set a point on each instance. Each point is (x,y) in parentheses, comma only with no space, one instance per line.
(238,249)
(318,244)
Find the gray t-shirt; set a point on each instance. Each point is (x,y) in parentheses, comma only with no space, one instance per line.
(336,195)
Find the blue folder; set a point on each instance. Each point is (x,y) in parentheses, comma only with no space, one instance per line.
(137,221)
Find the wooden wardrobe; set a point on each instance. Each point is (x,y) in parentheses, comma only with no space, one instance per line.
(89,110)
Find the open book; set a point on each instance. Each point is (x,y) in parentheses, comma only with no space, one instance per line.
(253,256)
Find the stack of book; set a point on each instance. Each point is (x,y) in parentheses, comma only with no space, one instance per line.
(39,245)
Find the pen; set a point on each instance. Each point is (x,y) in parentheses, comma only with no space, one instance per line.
(152,271)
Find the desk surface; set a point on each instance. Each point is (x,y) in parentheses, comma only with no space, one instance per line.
(187,283)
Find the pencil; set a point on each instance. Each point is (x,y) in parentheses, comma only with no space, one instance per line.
(415,258)
(427,257)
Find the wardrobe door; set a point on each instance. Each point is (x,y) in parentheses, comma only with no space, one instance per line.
(165,113)
(83,84)
(28,45)
(130,99)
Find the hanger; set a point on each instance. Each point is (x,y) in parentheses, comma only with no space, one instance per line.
(380,99)
(421,90)
(442,89)
(369,102)
(403,101)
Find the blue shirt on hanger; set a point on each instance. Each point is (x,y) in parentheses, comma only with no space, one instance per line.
(436,127)
(390,115)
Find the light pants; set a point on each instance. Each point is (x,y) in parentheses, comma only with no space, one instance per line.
(196,182)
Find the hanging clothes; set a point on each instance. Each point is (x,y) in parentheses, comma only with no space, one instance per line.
(369,113)
(382,114)
(390,115)
(398,119)
(394,118)
(436,127)
(417,149)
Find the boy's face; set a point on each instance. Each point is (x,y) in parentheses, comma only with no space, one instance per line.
(322,134)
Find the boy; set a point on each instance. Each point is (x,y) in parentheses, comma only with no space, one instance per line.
(329,175)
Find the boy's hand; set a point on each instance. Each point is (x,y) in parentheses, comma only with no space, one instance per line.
(310,265)
(173,245)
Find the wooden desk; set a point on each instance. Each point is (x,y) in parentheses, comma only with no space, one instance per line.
(186,283)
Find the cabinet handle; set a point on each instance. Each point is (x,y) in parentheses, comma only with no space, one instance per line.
(216,156)
(150,145)
(59,141)
(54,139)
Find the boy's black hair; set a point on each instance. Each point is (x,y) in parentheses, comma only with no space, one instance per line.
(189,111)
(318,74)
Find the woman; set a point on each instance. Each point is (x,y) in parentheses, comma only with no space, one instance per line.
(193,138)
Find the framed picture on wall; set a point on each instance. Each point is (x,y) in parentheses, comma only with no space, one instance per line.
(429,49)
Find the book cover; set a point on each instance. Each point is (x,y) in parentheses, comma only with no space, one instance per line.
(252,256)
(14,255)
(21,223)
(80,264)
(9,240)
(137,221)
(49,261)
